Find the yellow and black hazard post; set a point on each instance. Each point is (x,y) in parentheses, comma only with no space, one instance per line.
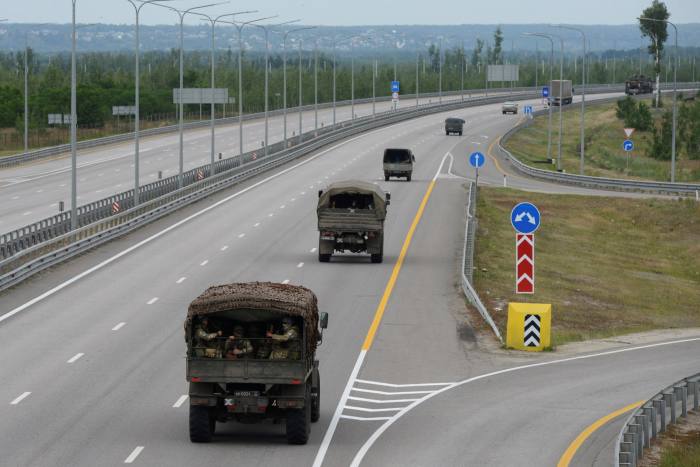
(529,326)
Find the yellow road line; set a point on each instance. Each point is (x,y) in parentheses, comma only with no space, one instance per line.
(395,272)
(488,152)
(580,439)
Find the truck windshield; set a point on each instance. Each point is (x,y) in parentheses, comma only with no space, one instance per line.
(397,156)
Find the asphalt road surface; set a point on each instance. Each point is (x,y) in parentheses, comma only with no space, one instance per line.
(93,352)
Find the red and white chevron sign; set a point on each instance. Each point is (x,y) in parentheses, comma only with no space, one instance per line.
(525,263)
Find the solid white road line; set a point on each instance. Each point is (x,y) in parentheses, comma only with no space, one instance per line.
(75,358)
(180,401)
(181,280)
(119,326)
(152,301)
(204,263)
(23,396)
(134,454)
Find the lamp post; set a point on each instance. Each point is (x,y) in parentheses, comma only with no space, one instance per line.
(266,30)
(284,77)
(213,22)
(440,73)
(316,85)
(583,96)
(335,43)
(73,131)
(551,60)
(181,14)
(417,79)
(675,87)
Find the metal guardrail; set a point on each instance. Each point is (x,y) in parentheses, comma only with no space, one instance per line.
(652,418)
(468,261)
(48,242)
(601,183)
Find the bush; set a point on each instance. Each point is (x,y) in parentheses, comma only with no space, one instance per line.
(635,115)
(660,147)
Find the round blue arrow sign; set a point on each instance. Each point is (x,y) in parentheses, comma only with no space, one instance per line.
(545,91)
(628,145)
(477,159)
(525,218)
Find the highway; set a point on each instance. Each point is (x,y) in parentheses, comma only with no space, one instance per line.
(93,355)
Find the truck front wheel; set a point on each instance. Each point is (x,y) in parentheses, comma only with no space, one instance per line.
(201,429)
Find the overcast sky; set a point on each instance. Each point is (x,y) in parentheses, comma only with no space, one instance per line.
(364,12)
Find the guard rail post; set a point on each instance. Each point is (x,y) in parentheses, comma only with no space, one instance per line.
(650,412)
(643,421)
(631,438)
(661,404)
(671,400)
(696,393)
(682,391)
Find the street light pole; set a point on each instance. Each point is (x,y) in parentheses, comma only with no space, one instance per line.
(440,68)
(73,132)
(675,88)
(417,79)
(583,96)
(26,95)
(301,100)
(551,60)
(316,86)
(284,75)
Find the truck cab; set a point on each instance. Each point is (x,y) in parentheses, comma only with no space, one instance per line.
(398,163)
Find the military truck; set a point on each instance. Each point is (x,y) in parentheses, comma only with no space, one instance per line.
(454,125)
(561,90)
(258,375)
(638,84)
(351,218)
(398,163)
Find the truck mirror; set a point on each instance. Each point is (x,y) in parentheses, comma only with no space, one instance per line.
(320,192)
(324,320)
(388,198)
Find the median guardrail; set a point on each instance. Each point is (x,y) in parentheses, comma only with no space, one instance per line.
(600,183)
(42,244)
(653,417)
(468,262)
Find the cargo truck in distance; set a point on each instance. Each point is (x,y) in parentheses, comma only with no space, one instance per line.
(251,356)
(398,163)
(351,218)
(561,90)
(638,84)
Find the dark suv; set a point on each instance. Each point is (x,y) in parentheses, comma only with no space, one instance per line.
(454,125)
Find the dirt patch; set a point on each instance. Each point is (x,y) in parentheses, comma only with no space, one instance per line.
(679,446)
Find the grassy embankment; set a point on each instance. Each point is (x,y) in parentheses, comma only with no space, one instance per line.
(609,266)
(604,154)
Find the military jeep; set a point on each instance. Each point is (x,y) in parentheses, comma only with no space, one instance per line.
(271,379)
(351,218)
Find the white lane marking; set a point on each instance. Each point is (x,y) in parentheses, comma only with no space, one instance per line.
(389,385)
(180,401)
(181,280)
(62,185)
(364,419)
(224,248)
(101,175)
(134,454)
(119,326)
(325,443)
(204,263)
(386,393)
(372,439)
(152,301)
(15,197)
(241,235)
(174,226)
(313,250)
(257,224)
(19,399)
(364,409)
(283,206)
(300,265)
(303,192)
(99,191)
(270,215)
(293,199)
(75,358)
(39,191)
(380,401)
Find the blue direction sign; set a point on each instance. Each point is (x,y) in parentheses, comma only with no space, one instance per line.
(525,218)
(528,110)
(545,91)
(628,145)
(477,159)
(395,86)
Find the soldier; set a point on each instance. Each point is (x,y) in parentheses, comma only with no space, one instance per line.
(204,347)
(286,345)
(260,343)
(237,346)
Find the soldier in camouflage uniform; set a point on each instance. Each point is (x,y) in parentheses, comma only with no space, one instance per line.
(286,345)
(237,346)
(260,343)
(205,341)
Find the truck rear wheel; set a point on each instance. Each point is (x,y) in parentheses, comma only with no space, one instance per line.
(299,423)
(316,398)
(201,429)
(386,178)
(324,258)
(408,178)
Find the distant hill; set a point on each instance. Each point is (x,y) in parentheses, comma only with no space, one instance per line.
(107,37)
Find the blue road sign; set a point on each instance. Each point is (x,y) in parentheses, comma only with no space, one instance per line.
(477,159)
(628,145)
(545,91)
(528,110)
(525,218)
(395,86)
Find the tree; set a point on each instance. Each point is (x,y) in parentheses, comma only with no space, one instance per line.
(476,55)
(656,31)
(497,51)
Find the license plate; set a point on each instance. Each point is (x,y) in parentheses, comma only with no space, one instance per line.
(246,393)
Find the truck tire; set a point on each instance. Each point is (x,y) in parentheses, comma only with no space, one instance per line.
(200,424)
(379,257)
(386,178)
(324,258)
(408,178)
(299,423)
(316,399)
(460,133)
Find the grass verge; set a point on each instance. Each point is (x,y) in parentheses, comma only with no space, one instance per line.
(608,266)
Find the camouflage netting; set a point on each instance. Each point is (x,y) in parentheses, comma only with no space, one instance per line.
(355,186)
(262,298)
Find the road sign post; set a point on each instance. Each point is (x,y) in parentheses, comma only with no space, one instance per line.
(527,110)
(525,218)
(628,146)
(476,160)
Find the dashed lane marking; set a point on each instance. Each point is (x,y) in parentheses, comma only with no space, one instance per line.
(134,454)
(241,235)
(152,301)
(119,326)
(21,397)
(75,358)
(204,263)
(300,265)
(181,280)
(224,248)
(313,250)
(180,401)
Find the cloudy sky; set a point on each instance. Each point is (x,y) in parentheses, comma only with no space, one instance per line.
(364,12)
